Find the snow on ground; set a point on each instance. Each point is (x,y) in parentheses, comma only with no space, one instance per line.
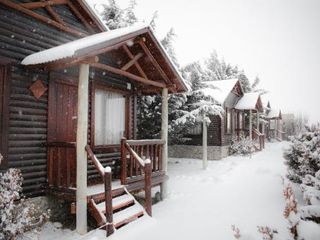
(203,204)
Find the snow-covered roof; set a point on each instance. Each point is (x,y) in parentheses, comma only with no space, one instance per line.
(96,9)
(273,113)
(70,49)
(78,47)
(220,89)
(248,101)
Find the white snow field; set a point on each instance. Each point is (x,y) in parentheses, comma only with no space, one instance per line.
(203,204)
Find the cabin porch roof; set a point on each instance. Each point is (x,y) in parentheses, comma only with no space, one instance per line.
(136,50)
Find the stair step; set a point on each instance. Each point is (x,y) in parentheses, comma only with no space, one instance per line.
(117,203)
(99,196)
(127,215)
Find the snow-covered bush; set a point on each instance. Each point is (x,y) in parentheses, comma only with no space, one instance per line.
(303,156)
(241,146)
(16,216)
(311,195)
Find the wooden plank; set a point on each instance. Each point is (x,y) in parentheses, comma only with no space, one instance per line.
(79,15)
(4,114)
(34,5)
(53,14)
(108,202)
(98,215)
(41,18)
(137,65)
(132,62)
(146,142)
(154,61)
(95,161)
(123,162)
(147,189)
(128,75)
(141,177)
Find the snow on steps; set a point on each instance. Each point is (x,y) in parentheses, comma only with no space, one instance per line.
(118,202)
(125,208)
(127,215)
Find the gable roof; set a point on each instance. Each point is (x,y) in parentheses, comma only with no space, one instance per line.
(99,43)
(219,89)
(249,101)
(273,114)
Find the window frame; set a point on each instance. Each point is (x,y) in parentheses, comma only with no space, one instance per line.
(103,86)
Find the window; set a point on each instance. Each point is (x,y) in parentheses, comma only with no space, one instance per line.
(240,120)
(228,121)
(109,117)
(196,130)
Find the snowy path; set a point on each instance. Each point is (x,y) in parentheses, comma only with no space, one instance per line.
(204,204)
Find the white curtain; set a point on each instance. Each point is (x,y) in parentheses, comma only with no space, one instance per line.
(109,117)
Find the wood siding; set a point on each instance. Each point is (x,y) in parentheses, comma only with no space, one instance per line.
(28,130)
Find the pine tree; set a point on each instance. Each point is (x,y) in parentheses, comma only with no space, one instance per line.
(244,82)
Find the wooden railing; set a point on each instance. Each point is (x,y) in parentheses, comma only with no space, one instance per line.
(139,158)
(258,136)
(106,175)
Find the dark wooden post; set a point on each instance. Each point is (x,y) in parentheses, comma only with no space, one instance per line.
(108,201)
(148,197)
(123,162)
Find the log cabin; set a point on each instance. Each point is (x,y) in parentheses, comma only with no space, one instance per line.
(68,100)
(252,106)
(274,123)
(220,132)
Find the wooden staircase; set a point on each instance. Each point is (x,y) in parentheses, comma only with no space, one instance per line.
(141,168)
(125,208)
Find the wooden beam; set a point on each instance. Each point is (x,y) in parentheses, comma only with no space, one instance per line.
(53,14)
(41,18)
(154,61)
(132,62)
(79,15)
(34,5)
(171,87)
(128,75)
(137,65)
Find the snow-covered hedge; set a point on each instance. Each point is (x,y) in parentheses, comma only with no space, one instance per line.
(16,216)
(303,156)
(303,160)
(241,146)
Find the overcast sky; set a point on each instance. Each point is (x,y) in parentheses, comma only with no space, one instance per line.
(278,40)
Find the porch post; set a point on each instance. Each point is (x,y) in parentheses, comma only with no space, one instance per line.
(164,136)
(204,145)
(250,124)
(258,115)
(82,134)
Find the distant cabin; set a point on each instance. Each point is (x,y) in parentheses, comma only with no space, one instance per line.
(221,130)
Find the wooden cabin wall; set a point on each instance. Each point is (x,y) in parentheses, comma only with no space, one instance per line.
(214,131)
(21,35)
(28,130)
